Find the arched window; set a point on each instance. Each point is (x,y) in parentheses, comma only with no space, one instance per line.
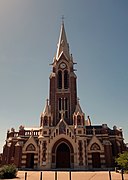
(66,79)
(60,104)
(30,147)
(60,107)
(95,146)
(59,79)
(66,107)
(50,121)
(62,128)
(78,120)
(74,120)
(45,121)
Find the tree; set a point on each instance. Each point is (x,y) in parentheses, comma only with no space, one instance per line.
(122,160)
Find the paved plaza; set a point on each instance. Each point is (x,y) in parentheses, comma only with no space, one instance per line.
(50,175)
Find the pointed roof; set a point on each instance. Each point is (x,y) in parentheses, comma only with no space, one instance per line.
(46,109)
(78,108)
(62,44)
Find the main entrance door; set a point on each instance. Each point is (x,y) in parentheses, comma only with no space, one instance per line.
(30,160)
(96,160)
(63,156)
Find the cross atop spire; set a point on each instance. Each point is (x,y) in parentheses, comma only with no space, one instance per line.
(62,19)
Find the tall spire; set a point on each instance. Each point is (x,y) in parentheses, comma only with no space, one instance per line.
(62,44)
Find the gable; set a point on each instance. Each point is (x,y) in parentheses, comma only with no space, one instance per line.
(62,128)
(62,56)
(95,145)
(30,145)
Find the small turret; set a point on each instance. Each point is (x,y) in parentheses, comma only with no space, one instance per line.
(78,116)
(46,117)
(88,121)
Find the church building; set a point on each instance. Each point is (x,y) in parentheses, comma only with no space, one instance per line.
(65,138)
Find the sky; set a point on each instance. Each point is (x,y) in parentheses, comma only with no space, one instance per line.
(97,33)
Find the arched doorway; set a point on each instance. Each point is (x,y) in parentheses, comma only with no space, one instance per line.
(96,160)
(63,156)
(30,160)
(30,149)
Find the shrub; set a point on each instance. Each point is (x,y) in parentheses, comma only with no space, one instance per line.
(8,172)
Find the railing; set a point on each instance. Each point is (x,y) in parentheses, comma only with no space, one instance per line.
(24,133)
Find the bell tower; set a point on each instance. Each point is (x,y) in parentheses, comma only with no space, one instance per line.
(63,91)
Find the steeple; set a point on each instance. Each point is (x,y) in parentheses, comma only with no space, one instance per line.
(63,88)
(62,46)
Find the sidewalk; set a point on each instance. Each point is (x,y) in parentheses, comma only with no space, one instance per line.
(50,175)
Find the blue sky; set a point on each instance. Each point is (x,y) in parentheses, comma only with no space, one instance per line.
(97,32)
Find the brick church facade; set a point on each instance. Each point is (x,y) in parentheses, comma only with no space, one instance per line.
(64,138)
